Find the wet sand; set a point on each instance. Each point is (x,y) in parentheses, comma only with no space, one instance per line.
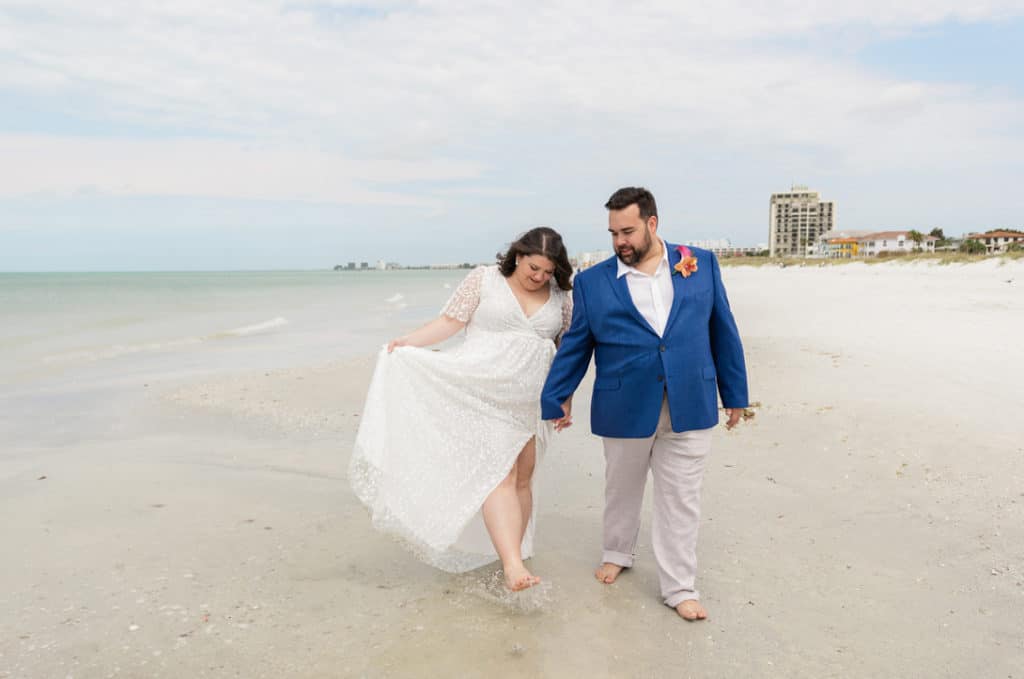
(868,522)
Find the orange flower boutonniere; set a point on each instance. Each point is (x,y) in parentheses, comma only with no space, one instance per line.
(687,263)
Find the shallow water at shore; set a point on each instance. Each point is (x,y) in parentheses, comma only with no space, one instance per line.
(77,350)
(67,326)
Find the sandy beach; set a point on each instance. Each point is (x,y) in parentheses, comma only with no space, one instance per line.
(867,522)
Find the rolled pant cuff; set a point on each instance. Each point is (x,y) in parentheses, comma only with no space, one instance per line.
(680,597)
(617,558)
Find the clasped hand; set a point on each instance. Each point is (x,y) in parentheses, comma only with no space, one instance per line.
(565,421)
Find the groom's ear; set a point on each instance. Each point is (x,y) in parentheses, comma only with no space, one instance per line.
(652,223)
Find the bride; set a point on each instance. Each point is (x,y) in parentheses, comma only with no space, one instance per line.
(448,442)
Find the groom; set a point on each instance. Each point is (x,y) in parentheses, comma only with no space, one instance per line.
(657,320)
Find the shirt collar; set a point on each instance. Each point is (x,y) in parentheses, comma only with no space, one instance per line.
(624,268)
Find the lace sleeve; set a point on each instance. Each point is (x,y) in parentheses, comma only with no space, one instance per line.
(466,297)
(566,315)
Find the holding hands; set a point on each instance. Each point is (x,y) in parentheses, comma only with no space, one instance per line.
(565,421)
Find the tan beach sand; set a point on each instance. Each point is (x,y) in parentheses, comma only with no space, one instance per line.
(869,522)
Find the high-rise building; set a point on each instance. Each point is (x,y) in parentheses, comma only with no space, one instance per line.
(796,219)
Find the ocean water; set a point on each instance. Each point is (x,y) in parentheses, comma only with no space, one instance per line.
(104,326)
(69,336)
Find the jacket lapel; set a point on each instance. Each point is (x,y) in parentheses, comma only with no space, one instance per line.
(621,288)
(677,285)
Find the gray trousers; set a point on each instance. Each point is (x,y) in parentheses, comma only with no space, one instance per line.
(676,462)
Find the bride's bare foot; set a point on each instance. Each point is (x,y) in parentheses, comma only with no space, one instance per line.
(607,572)
(519,578)
(691,610)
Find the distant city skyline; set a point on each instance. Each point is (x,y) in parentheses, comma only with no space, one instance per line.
(289,135)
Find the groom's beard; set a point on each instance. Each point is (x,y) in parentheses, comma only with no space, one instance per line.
(633,256)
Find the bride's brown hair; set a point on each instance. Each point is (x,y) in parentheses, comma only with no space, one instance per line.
(542,241)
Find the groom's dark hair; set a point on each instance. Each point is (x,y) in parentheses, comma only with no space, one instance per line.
(643,198)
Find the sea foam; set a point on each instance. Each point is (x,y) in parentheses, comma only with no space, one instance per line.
(117,350)
(252,329)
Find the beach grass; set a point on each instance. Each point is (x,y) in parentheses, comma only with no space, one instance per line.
(940,258)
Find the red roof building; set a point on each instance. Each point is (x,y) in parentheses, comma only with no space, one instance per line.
(999,240)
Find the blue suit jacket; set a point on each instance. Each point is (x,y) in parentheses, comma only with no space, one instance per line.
(635,367)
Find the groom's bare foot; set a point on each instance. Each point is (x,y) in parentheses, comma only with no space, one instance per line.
(519,578)
(691,610)
(607,572)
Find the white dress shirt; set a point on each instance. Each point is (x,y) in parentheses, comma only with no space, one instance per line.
(652,295)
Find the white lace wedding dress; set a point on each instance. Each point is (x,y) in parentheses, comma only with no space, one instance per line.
(440,430)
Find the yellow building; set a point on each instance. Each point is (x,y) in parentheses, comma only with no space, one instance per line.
(843,248)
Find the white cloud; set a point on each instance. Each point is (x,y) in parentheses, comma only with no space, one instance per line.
(332,97)
(211,168)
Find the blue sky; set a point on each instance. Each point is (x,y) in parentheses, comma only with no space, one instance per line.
(985,54)
(142,135)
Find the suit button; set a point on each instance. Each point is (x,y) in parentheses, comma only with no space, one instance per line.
(661,378)
(661,348)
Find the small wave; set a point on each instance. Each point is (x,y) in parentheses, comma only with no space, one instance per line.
(252,329)
(447,286)
(117,350)
(395,298)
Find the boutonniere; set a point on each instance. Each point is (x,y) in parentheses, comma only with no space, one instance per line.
(687,262)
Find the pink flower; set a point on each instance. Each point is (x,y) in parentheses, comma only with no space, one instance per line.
(687,262)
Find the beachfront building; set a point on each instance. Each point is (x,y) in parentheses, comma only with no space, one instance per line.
(723,247)
(585,260)
(737,251)
(796,219)
(842,248)
(998,241)
(712,244)
(898,242)
(839,244)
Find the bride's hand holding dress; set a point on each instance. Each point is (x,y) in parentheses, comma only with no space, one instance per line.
(437,330)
